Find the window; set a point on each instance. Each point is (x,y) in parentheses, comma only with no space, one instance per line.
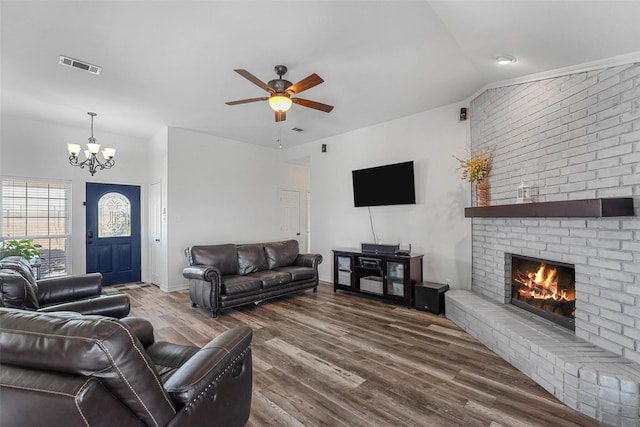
(114,216)
(41,211)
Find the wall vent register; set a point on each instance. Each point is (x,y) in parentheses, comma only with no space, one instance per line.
(81,65)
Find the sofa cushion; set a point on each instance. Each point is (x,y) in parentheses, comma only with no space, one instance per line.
(251,259)
(235,284)
(271,278)
(281,254)
(298,272)
(16,291)
(223,257)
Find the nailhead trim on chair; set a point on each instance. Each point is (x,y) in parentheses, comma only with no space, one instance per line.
(213,383)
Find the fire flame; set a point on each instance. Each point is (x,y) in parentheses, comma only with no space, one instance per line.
(542,284)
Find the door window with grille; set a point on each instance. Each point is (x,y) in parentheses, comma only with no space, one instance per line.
(114,216)
(39,210)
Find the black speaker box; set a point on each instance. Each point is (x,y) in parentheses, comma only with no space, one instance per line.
(379,248)
(429,296)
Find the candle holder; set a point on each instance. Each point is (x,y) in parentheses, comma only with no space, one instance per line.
(525,193)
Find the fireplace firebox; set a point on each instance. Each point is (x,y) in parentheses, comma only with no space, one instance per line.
(546,288)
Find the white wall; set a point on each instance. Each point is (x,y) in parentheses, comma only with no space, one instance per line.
(435,226)
(35,149)
(219,191)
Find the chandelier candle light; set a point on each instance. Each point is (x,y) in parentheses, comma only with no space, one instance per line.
(91,154)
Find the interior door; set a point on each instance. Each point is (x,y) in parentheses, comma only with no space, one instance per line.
(290,214)
(155,233)
(113,232)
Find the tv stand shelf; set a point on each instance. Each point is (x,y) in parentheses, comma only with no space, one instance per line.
(388,276)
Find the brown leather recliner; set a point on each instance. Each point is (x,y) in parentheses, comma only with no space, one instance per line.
(66,369)
(81,293)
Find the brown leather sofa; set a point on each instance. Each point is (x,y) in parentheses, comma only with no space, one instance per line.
(229,275)
(81,293)
(66,369)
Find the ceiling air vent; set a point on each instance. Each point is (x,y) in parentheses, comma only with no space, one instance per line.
(85,66)
(297,129)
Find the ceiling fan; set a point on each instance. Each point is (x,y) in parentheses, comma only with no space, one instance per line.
(282,92)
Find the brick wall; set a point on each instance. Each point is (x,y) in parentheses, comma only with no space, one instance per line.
(572,137)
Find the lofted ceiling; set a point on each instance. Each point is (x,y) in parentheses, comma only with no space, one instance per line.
(170,63)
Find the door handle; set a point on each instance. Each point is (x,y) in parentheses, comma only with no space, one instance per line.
(157,240)
(90,234)
(297,234)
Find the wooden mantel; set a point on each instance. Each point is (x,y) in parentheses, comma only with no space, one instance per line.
(595,208)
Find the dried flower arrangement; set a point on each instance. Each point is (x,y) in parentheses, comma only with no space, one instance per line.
(477,167)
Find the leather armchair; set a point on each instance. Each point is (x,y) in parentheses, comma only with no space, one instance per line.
(82,293)
(65,369)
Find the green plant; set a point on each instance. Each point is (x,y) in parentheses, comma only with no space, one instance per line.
(24,248)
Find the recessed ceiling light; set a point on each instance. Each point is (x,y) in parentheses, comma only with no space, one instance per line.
(505,59)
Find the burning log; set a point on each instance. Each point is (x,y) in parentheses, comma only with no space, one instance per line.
(542,284)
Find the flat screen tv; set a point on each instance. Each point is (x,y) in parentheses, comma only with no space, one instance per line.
(384,185)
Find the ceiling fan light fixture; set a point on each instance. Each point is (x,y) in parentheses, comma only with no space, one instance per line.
(280,103)
(281,92)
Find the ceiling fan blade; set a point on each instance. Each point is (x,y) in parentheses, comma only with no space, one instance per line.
(306,83)
(281,116)
(313,104)
(246,101)
(253,79)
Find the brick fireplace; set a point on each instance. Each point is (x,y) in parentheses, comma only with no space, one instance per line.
(571,137)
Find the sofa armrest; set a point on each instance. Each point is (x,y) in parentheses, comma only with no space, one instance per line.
(216,382)
(15,291)
(141,328)
(116,306)
(309,260)
(69,288)
(207,273)
(205,282)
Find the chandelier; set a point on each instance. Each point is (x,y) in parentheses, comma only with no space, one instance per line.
(91,154)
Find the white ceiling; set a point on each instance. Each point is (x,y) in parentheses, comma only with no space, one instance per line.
(170,63)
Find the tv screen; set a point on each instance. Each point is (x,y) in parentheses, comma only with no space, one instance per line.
(384,185)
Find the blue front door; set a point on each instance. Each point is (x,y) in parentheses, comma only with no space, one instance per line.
(113,232)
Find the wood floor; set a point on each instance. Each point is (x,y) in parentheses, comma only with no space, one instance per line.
(340,359)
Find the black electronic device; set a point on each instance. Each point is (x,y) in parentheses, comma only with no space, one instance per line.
(384,185)
(429,296)
(379,248)
(403,252)
(370,262)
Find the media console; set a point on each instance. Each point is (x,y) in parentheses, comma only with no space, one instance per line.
(386,275)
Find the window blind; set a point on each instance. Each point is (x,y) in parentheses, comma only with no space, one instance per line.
(41,211)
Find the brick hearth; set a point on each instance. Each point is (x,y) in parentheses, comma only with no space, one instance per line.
(587,378)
